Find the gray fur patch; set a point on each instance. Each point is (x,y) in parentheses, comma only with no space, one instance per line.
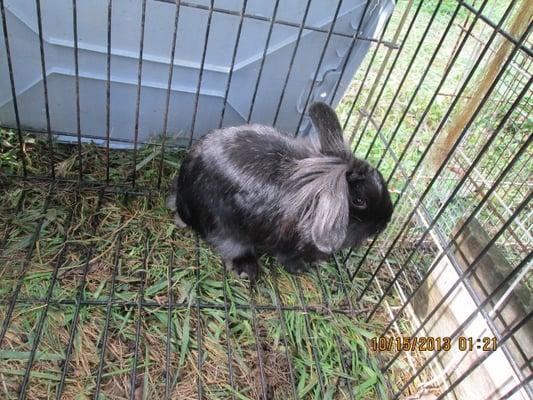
(318,200)
(228,247)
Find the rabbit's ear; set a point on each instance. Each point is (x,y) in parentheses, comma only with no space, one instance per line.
(328,128)
(330,223)
(318,199)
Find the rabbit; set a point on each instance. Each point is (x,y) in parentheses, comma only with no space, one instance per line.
(251,189)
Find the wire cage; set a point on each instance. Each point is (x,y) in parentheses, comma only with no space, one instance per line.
(101,296)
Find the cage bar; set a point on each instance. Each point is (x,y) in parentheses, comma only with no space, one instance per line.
(45,89)
(108,89)
(77,85)
(138,98)
(202,66)
(167,99)
(263,58)
(233,59)
(258,350)
(279,309)
(226,326)
(110,299)
(317,71)
(78,301)
(199,380)
(140,297)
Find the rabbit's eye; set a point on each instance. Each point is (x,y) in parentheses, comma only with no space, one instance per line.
(359,202)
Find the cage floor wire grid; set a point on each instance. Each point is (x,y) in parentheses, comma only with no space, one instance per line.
(102,296)
(119,278)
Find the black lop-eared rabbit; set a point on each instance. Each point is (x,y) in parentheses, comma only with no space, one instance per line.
(252,189)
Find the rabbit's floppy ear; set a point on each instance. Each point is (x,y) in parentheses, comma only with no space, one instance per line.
(329,129)
(319,201)
(330,222)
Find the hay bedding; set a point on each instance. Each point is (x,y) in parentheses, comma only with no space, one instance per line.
(119,247)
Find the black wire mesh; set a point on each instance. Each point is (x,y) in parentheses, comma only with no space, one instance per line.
(482,176)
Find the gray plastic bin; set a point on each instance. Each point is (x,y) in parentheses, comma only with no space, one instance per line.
(57,21)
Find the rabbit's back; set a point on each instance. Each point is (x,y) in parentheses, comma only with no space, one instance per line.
(233,181)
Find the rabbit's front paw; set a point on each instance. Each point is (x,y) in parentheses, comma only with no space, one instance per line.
(293,265)
(179,222)
(246,266)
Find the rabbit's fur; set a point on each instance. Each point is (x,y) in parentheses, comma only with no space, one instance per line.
(251,189)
